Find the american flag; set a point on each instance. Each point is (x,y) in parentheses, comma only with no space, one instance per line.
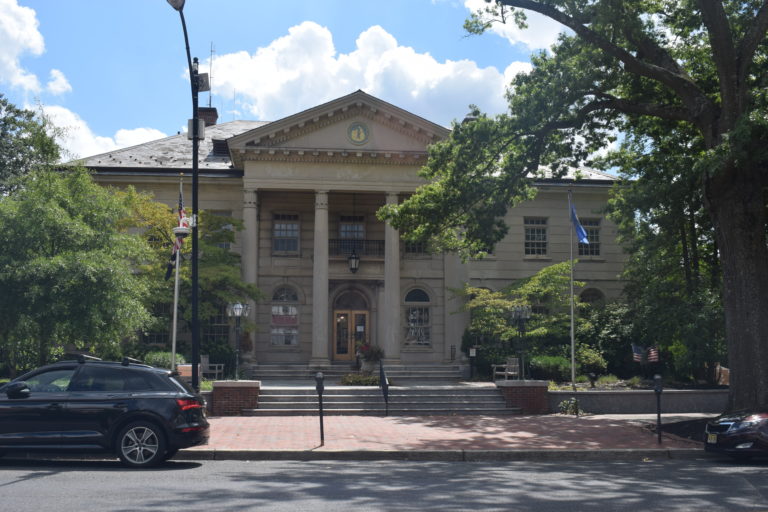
(637,353)
(653,355)
(179,241)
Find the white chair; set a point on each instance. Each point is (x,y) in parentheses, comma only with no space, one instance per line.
(509,369)
(208,368)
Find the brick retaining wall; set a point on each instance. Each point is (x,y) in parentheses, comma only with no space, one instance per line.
(528,395)
(231,397)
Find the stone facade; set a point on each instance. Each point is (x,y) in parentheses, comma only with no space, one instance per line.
(307,188)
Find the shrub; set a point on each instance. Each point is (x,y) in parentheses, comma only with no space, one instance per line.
(555,368)
(590,359)
(162,359)
(635,382)
(355,379)
(570,406)
(607,379)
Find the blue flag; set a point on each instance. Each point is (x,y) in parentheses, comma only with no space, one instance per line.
(581,233)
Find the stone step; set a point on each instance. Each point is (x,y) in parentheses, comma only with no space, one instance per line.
(393,411)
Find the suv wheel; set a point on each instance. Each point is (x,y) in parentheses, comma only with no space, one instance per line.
(141,444)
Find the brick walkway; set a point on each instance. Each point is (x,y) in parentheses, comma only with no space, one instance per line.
(398,433)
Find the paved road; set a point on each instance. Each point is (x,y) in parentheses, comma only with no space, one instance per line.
(670,485)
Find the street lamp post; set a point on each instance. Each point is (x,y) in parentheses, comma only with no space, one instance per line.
(237,310)
(195,133)
(520,315)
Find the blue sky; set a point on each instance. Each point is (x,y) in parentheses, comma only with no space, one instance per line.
(113,73)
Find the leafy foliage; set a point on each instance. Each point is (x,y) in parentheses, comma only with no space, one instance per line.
(684,82)
(66,269)
(25,144)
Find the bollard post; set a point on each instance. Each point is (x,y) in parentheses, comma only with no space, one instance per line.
(658,387)
(319,386)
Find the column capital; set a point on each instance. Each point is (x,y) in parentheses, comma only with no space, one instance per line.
(321,199)
(250,198)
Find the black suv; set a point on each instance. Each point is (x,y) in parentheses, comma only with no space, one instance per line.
(142,414)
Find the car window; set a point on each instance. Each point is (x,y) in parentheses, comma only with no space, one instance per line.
(52,381)
(98,378)
(138,380)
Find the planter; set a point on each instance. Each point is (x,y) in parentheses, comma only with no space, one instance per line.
(367,367)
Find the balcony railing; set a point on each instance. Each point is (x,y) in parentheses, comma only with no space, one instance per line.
(345,246)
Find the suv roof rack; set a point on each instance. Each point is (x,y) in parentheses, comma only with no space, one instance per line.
(81,358)
(128,360)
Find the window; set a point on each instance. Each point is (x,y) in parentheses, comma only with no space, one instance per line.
(284,321)
(415,249)
(53,381)
(285,234)
(535,236)
(227,227)
(217,329)
(352,227)
(592,227)
(159,334)
(417,318)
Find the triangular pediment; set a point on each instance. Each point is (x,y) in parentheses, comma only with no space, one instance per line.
(357,124)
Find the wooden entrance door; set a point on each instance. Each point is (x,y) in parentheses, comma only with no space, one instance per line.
(350,328)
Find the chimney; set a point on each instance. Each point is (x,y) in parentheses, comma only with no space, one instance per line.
(208,114)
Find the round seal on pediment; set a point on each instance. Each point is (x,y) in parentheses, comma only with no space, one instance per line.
(358,133)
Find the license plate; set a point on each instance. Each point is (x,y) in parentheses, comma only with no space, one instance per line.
(712,438)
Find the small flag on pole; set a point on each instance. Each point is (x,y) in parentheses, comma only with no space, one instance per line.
(581,233)
(179,241)
(653,355)
(637,353)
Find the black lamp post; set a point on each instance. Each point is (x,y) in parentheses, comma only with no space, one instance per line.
(520,315)
(238,311)
(196,134)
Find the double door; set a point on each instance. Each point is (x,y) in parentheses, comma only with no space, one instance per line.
(350,329)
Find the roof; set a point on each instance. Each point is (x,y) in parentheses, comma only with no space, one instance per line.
(174,152)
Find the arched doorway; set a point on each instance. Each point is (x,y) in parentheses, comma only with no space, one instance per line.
(351,324)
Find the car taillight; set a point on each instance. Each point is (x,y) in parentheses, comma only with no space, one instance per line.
(186,403)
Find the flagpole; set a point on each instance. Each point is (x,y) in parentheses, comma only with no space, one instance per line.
(175,311)
(573,337)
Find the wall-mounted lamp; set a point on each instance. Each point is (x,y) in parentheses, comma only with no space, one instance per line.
(353,261)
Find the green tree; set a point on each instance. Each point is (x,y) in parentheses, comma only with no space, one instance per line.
(66,270)
(697,64)
(25,143)
(547,331)
(219,271)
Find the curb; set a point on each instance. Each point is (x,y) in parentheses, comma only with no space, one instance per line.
(448,455)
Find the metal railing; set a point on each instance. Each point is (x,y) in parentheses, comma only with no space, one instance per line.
(345,246)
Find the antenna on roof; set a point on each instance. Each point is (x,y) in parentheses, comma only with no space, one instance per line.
(210,74)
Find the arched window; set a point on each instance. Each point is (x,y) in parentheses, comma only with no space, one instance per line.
(284,323)
(592,296)
(418,330)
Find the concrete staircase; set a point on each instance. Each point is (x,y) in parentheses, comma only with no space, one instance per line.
(397,374)
(403,401)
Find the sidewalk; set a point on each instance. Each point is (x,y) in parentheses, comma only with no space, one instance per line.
(454,438)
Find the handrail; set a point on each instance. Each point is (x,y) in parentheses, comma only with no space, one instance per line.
(384,385)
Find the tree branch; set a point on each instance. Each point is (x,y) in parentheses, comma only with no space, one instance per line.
(688,91)
(724,55)
(749,43)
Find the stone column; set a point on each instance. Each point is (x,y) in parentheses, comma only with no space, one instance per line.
(320,313)
(456,275)
(249,256)
(250,241)
(391,309)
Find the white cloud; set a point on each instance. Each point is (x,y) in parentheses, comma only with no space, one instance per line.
(19,35)
(58,83)
(303,69)
(79,141)
(541,33)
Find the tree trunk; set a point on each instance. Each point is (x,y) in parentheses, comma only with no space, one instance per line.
(737,206)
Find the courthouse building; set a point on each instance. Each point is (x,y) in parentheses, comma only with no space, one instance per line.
(307,188)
